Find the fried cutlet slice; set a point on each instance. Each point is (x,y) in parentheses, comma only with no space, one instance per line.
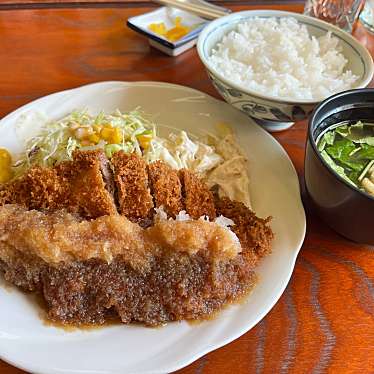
(39,188)
(87,192)
(165,187)
(252,231)
(198,199)
(131,179)
(77,186)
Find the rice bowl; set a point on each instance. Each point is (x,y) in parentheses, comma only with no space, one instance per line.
(273,56)
(276,113)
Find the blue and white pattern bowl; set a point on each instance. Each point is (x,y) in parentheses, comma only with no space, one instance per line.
(277,114)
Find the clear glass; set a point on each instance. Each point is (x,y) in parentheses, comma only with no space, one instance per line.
(342,13)
(367,15)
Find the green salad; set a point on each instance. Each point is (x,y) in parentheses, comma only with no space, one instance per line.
(349,150)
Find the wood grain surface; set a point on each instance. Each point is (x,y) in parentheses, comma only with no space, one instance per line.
(324,322)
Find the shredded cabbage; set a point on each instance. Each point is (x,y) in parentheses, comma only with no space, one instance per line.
(55,142)
(179,151)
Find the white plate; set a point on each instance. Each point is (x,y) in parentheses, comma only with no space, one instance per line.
(29,344)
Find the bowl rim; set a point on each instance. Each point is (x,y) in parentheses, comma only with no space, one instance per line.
(312,123)
(236,17)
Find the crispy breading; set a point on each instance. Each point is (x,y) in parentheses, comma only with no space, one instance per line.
(86,192)
(165,187)
(198,199)
(253,232)
(39,188)
(131,179)
(77,186)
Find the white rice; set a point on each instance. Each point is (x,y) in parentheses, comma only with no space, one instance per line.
(280,58)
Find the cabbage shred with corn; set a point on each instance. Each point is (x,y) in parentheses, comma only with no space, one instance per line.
(58,140)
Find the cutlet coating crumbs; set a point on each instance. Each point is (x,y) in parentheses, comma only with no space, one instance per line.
(166,188)
(131,178)
(76,186)
(87,194)
(252,231)
(198,199)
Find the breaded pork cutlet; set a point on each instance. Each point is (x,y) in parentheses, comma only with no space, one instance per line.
(198,199)
(90,271)
(166,188)
(252,231)
(87,192)
(131,179)
(77,186)
(39,188)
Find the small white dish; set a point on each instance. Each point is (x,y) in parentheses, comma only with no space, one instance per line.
(167,15)
(28,343)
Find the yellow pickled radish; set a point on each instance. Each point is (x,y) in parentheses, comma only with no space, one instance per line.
(173,34)
(158,28)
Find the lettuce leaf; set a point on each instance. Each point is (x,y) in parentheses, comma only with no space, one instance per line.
(341,151)
(334,166)
(357,133)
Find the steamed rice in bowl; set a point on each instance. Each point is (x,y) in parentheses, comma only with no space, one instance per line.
(278,57)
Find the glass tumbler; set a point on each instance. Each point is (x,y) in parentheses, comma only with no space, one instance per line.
(367,15)
(342,13)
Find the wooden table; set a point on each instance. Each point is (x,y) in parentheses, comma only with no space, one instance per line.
(324,322)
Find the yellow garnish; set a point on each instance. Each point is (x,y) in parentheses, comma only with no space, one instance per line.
(94,138)
(5,166)
(158,28)
(175,33)
(144,140)
(5,158)
(117,136)
(106,133)
(97,128)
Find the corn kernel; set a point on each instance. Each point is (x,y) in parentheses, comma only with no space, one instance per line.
(116,138)
(144,140)
(106,133)
(94,138)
